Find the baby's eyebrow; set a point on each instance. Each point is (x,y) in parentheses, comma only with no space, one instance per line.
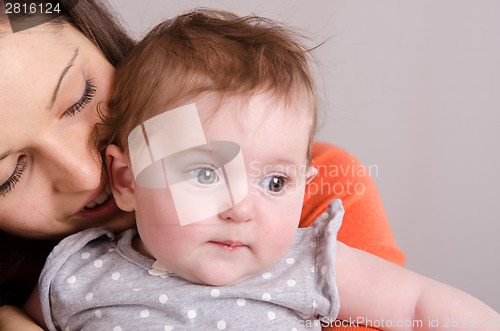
(280,161)
(63,74)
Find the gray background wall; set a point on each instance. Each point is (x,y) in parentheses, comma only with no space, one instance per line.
(411,88)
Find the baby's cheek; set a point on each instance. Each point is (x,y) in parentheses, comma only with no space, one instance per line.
(156,207)
(163,241)
(279,240)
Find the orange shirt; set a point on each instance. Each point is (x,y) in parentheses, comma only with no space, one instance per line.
(365,225)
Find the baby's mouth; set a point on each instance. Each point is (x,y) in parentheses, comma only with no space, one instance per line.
(229,245)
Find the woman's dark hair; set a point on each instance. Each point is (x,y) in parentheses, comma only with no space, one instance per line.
(21,259)
(101,27)
(92,18)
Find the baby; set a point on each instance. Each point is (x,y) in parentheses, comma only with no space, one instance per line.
(208,142)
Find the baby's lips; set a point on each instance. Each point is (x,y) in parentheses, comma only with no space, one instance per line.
(232,243)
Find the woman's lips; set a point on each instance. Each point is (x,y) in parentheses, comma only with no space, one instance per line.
(105,210)
(98,198)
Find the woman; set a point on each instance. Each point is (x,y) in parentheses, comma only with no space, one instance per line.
(54,77)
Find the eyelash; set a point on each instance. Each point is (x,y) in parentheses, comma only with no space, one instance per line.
(88,95)
(191,172)
(8,186)
(285,178)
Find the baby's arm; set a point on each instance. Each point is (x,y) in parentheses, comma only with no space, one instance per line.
(33,307)
(378,291)
(13,319)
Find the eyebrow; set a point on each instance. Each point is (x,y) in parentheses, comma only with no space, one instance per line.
(4,155)
(280,161)
(63,74)
(56,90)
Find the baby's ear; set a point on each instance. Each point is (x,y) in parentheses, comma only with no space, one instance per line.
(121,178)
(311,173)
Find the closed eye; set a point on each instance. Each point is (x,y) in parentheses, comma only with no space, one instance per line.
(88,95)
(8,186)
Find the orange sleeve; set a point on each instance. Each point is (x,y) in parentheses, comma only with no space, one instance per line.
(365,225)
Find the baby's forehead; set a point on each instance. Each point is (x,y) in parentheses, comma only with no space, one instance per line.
(214,113)
(256,105)
(210,115)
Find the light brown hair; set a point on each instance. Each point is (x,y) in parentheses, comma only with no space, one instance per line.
(205,50)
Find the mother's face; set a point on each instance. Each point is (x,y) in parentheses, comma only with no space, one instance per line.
(51,82)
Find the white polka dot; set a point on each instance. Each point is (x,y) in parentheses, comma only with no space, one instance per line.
(144,313)
(98,314)
(271,315)
(85,255)
(315,304)
(294,329)
(168,327)
(324,269)
(312,269)
(89,296)
(221,325)
(115,276)
(291,283)
(136,289)
(241,302)
(215,293)
(266,275)
(71,279)
(313,244)
(117,328)
(98,263)
(163,298)
(266,297)
(290,260)
(191,314)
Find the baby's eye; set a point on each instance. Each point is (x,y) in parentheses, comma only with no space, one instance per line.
(204,176)
(274,184)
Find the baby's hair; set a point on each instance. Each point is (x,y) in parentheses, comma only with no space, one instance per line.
(206,51)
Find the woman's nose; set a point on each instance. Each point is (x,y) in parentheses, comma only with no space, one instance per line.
(241,212)
(71,169)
